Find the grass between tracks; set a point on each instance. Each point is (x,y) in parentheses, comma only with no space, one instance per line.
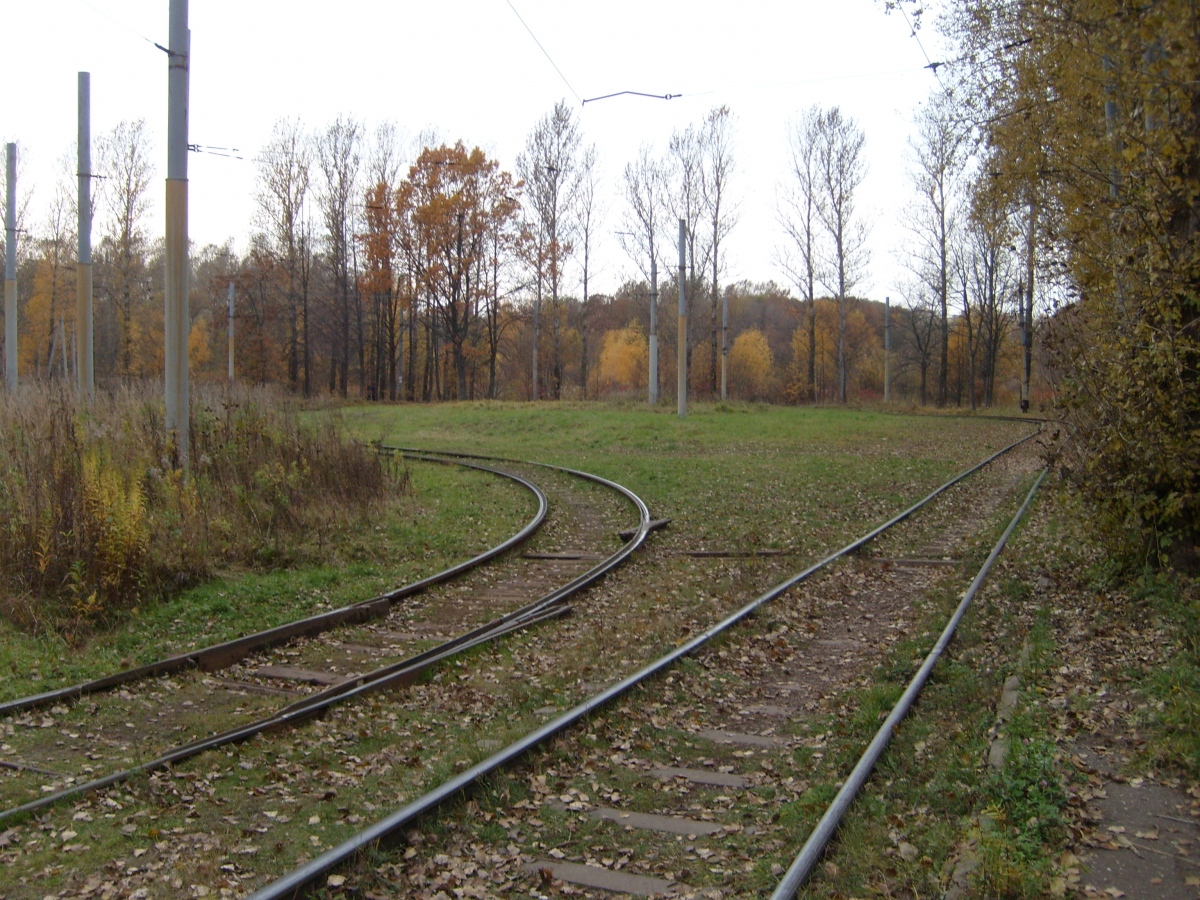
(800,480)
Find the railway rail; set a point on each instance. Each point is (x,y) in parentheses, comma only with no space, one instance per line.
(250,693)
(572,803)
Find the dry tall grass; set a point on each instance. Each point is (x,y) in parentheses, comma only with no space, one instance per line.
(94,518)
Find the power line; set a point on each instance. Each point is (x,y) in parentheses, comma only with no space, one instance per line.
(633,94)
(543,49)
(125,25)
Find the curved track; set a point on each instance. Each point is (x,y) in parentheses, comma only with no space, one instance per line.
(226,653)
(252,698)
(308,875)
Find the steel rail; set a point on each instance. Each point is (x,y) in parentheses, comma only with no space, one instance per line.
(226,653)
(296,881)
(803,864)
(395,675)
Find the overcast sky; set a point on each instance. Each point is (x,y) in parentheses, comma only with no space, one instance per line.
(470,70)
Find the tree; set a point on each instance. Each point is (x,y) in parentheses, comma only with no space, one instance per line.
(283,179)
(47,336)
(457,201)
(379,278)
(716,142)
(1092,111)
(549,167)
(645,188)
(339,157)
(939,147)
(624,360)
(124,163)
(751,365)
(799,212)
(840,172)
(919,324)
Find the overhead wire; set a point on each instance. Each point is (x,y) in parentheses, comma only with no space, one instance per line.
(544,52)
(123,24)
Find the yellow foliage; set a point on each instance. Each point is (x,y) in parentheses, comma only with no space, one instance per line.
(49,302)
(199,350)
(750,365)
(624,359)
(114,511)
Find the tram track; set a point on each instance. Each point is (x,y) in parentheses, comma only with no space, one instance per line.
(293,663)
(570,792)
(366,757)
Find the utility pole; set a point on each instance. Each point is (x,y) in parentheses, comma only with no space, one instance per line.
(653,331)
(537,315)
(177,315)
(231,332)
(85,371)
(10,269)
(682,344)
(724,346)
(887,349)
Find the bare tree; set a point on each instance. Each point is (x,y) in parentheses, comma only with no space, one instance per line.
(919,325)
(124,195)
(284,169)
(645,183)
(338,155)
(940,157)
(550,169)
(381,243)
(716,143)
(994,281)
(799,211)
(841,169)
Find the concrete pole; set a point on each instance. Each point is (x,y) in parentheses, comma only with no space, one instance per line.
(724,346)
(176,311)
(10,269)
(537,315)
(887,349)
(231,332)
(653,331)
(681,391)
(85,371)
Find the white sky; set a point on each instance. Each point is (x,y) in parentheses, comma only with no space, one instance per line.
(469,70)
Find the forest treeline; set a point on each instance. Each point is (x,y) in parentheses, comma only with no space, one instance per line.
(425,271)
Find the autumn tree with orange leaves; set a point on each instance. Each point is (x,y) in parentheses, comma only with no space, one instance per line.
(455,201)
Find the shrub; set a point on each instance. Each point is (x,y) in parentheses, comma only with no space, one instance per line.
(95,519)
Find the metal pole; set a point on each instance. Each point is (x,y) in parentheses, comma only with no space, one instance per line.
(653,331)
(537,315)
(10,270)
(682,343)
(887,349)
(231,332)
(85,371)
(724,346)
(175,294)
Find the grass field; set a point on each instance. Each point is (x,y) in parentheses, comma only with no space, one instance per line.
(756,477)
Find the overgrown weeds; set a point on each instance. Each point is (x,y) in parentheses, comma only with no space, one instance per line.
(95,518)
